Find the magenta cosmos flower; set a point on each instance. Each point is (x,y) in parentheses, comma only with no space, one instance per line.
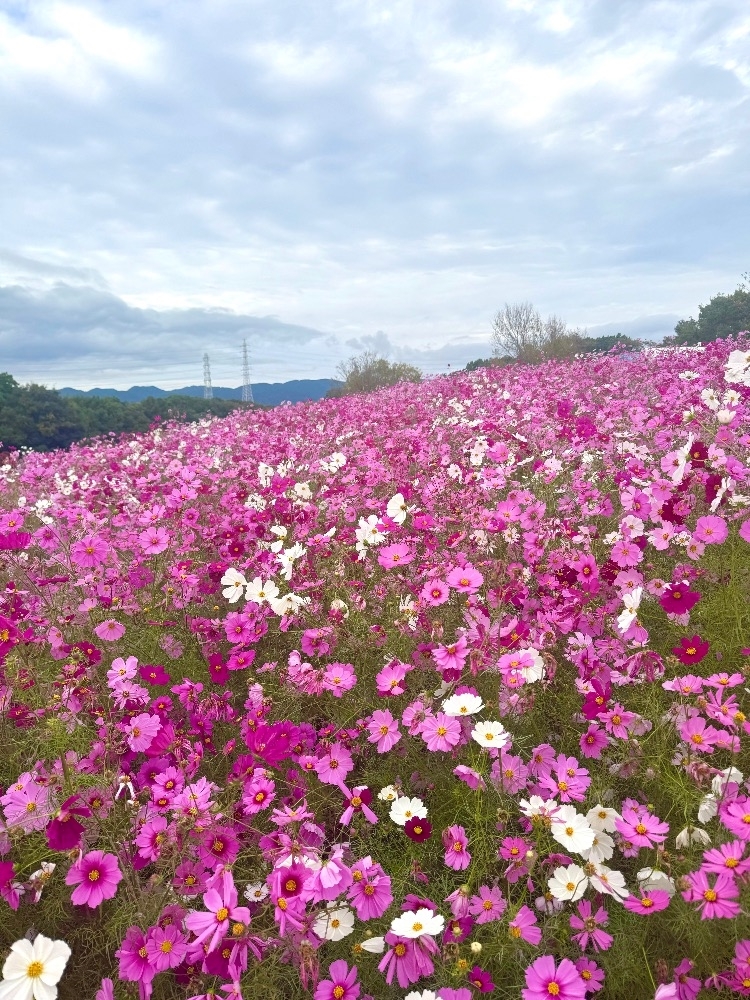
(97,876)
(679,598)
(383,730)
(544,980)
(691,650)
(342,985)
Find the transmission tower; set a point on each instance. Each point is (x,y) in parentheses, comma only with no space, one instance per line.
(208,392)
(247,389)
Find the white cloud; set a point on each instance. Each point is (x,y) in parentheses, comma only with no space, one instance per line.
(372,165)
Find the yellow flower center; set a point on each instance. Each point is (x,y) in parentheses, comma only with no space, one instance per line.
(222,914)
(34,970)
(94,875)
(165,947)
(553,989)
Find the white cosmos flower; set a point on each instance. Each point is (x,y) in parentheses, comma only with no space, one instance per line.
(289,604)
(256,892)
(601,850)
(415,923)
(537,806)
(334,924)
(374,945)
(234,583)
(692,835)
(404,809)
(572,830)
(536,671)
(609,881)
(729,775)
(463,704)
(259,591)
(397,509)
(603,818)
(423,995)
(568,882)
(490,734)
(708,808)
(388,794)
(34,970)
(652,878)
(632,601)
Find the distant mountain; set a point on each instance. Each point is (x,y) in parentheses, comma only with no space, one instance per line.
(266,393)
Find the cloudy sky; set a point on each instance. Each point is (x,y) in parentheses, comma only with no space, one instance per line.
(177,175)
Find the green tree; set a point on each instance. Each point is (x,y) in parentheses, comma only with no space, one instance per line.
(723,316)
(368,371)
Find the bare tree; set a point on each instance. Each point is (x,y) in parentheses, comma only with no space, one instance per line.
(518,331)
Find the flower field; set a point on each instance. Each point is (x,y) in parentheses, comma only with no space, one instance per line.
(435,692)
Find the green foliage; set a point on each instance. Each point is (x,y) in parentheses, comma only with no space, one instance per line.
(367,372)
(723,316)
(35,417)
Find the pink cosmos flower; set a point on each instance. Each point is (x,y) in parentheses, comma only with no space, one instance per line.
(339,678)
(455,843)
(481,980)
(89,552)
(452,657)
(333,767)
(434,593)
(400,960)
(647,902)
(370,891)
(714,901)
(154,540)
(470,777)
(393,556)
(487,905)
(626,553)
(166,947)
(221,902)
(342,984)
(587,923)
(593,742)
(389,680)
(441,732)
(383,729)
(524,926)
(142,731)
(465,579)
(544,979)
(591,974)
(727,859)
(711,530)
(110,630)
(640,828)
(699,735)
(97,876)
(744,531)
(135,965)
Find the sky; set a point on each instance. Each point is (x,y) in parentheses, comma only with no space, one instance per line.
(178,176)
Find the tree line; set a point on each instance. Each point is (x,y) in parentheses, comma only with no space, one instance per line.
(32,416)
